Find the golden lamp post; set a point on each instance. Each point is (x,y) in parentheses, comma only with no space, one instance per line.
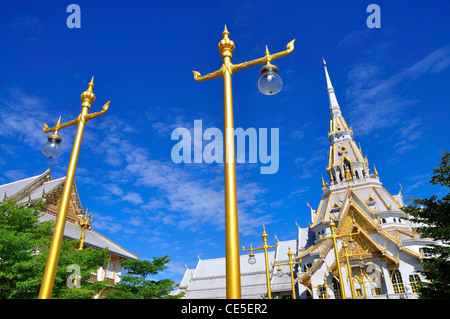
(323,289)
(360,278)
(336,254)
(269,83)
(252,259)
(290,263)
(350,245)
(52,149)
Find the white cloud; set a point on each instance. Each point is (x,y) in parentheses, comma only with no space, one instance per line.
(376,102)
(192,200)
(106,223)
(409,133)
(22,117)
(308,167)
(188,196)
(134,198)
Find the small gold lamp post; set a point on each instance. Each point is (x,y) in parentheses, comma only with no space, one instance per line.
(290,263)
(268,84)
(324,287)
(361,276)
(252,259)
(349,245)
(52,149)
(336,253)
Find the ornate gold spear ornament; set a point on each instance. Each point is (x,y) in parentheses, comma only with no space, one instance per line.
(84,222)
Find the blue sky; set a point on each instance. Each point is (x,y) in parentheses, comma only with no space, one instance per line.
(391,84)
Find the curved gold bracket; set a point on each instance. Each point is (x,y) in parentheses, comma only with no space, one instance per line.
(267,58)
(88,117)
(198,77)
(85,118)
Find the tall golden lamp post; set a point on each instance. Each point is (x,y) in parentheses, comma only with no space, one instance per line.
(52,149)
(290,263)
(269,83)
(349,245)
(252,259)
(336,253)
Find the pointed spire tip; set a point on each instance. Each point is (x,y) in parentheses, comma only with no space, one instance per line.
(91,84)
(225,31)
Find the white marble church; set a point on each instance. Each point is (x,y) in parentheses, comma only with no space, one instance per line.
(378,253)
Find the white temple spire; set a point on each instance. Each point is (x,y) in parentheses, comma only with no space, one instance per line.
(334,105)
(345,160)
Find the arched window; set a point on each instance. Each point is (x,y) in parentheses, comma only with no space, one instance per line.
(414,282)
(336,289)
(346,164)
(397,282)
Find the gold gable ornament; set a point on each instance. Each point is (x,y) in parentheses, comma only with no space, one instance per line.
(85,223)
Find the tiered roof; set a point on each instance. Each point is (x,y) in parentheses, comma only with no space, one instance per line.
(43,187)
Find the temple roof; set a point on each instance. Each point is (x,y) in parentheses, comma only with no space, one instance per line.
(16,189)
(93,239)
(208,279)
(43,187)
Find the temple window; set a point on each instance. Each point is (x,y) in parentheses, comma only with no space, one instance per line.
(377,291)
(414,282)
(322,292)
(397,282)
(336,289)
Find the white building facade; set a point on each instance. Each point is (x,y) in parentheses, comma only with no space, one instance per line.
(375,252)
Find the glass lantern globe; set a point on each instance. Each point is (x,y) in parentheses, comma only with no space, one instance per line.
(251,259)
(270,82)
(279,272)
(52,148)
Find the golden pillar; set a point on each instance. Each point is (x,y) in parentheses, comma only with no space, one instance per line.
(226,47)
(87,98)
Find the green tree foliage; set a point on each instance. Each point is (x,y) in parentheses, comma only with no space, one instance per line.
(433,215)
(24,243)
(136,285)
